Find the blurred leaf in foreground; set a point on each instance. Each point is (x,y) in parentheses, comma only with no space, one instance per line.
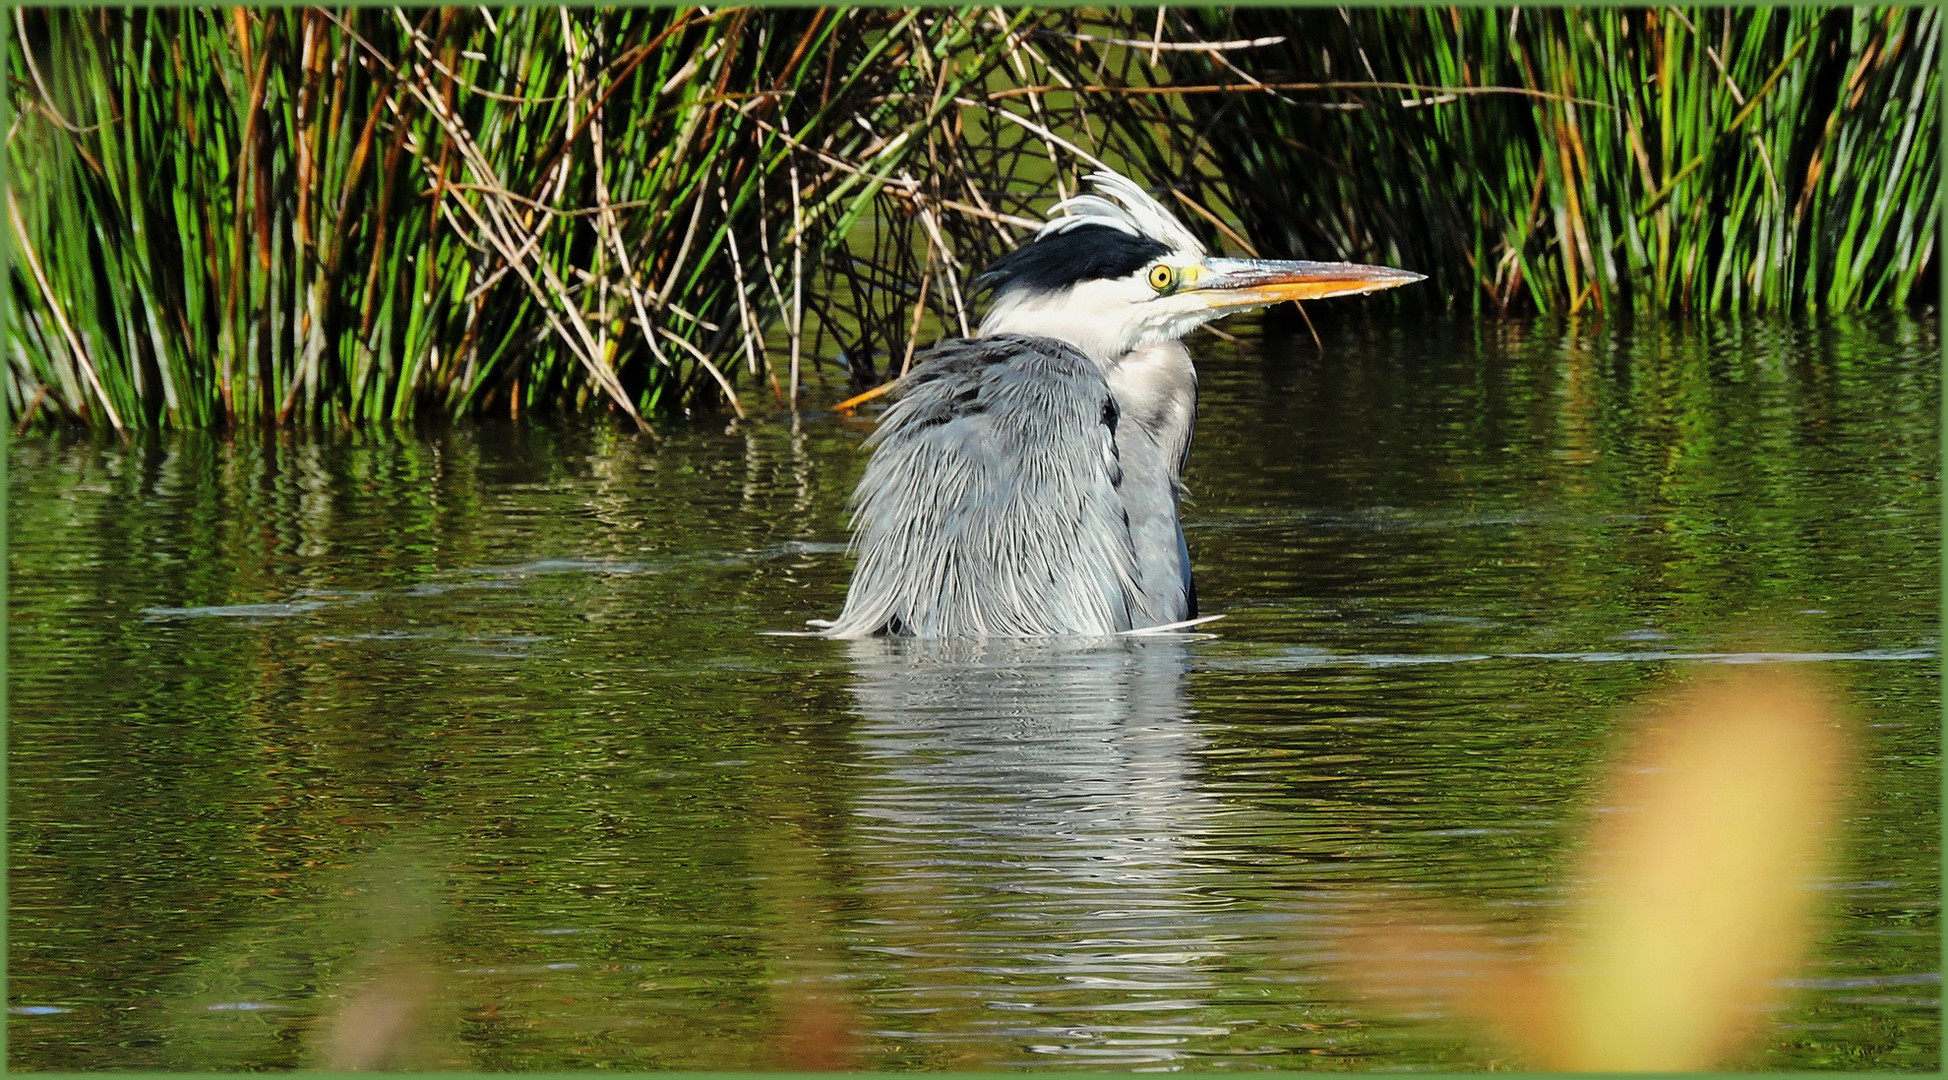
(1691,904)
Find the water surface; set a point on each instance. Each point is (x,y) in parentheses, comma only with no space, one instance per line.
(488,720)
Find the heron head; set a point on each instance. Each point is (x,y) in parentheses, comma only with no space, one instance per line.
(1112,271)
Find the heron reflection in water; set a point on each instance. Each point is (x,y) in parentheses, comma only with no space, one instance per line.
(1043,837)
(1026,483)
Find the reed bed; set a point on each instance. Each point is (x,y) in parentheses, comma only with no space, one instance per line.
(365,215)
(1569,159)
(309,215)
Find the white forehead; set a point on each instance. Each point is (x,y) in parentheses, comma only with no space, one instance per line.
(1103,317)
(1128,208)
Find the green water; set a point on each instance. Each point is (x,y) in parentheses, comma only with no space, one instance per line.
(484,727)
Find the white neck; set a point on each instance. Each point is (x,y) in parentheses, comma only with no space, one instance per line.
(1067,316)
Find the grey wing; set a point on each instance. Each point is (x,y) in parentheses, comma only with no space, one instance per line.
(990,504)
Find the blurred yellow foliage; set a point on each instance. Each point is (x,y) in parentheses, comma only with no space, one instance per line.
(1693,899)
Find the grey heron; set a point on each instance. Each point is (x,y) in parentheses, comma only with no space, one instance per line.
(1026,482)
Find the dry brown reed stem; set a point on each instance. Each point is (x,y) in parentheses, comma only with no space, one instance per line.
(61,316)
(1156,46)
(863,397)
(1255,87)
(502,226)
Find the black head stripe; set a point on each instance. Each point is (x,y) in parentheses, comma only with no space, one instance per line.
(1084,253)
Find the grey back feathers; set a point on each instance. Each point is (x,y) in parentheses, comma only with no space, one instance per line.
(990,506)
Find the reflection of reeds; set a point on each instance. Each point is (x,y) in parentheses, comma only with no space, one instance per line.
(1693,900)
(360,215)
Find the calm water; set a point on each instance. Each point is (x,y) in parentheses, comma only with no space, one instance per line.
(485,726)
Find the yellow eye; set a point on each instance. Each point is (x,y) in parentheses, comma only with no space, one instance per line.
(1163,278)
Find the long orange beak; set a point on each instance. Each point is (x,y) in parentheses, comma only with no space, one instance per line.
(1243,283)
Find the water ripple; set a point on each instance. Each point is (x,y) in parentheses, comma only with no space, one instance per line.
(1305,658)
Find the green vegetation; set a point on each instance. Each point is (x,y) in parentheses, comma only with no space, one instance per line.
(302,215)
(1659,159)
(309,216)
